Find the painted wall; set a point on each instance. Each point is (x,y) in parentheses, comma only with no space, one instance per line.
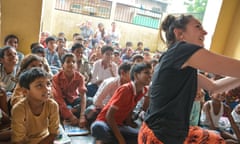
(232,46)
(47,15)
(21,18)
(226,39)
(25,19)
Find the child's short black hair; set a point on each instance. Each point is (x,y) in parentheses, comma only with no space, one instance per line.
(29,76)
(3,49)
(35,44)
(146,53)
(116,52)
(129,44)
(63,58)
(61,34)
(137,56)
(37,50)
(50,38)
(154,61)
(61,39)
(146,49)
(137,68)
(76,46)
(126,66)
(139,43)
(10,37)
(75,35)
(26,61)
(106,48)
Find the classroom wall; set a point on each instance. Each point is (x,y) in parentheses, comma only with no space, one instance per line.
(232,46)
(21,18)
(25,21)
(226,39)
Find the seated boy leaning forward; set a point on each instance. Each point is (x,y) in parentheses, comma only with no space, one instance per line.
(106,91)
(35,119)
(109,126)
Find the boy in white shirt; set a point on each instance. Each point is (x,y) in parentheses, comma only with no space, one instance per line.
(236,115)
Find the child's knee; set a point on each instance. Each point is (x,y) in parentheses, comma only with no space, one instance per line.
(100,131)
(97,128)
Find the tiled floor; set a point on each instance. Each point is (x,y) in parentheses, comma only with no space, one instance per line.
(82,139)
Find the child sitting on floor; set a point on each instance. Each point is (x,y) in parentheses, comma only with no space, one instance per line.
(211,113)
(236,115)
(196,108)
(35,118)
(70,92)
(28,62)
(109,126)
(8,68)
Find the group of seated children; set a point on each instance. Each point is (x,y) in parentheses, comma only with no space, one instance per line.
(216,115)
(41,100)
(49,87)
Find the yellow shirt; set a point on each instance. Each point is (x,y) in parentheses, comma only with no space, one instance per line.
(17,95)
(30,128)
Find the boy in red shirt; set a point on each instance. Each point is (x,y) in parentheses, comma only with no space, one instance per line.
(109,126)
(70,92)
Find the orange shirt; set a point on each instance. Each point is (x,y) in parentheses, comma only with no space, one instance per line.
(65,90)
(124,100)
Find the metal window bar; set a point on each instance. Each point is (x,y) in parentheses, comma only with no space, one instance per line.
(97,8)
(137,16)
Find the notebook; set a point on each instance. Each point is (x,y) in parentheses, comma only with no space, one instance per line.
(74,130)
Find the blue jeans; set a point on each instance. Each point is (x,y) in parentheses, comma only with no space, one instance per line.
(91,113)
(91,90)
(76,104)
(101,131)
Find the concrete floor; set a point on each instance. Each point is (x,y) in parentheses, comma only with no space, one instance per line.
(88,139)
(82,139)
(74,140)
